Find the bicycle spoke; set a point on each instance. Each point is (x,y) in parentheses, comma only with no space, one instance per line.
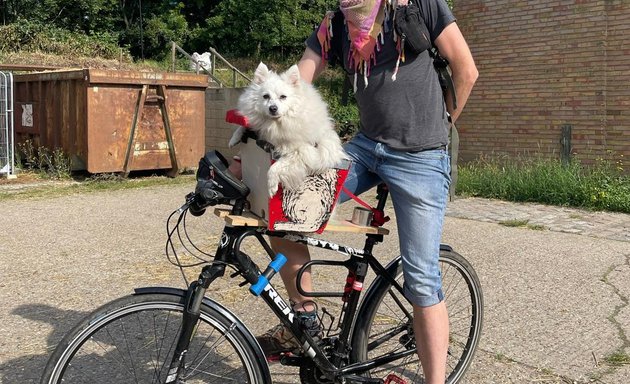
(380,333)
(384,337)
(136,345)
(166,359)
(212,350)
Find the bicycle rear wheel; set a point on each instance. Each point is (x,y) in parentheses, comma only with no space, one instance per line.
(132,340)
(384,322)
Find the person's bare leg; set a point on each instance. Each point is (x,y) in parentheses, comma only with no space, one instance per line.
(297,255)
(430,325)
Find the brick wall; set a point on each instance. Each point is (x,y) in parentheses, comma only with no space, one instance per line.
(545,64)
(218,132)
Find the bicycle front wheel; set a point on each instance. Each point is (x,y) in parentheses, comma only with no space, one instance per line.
(132,340)
(384,323)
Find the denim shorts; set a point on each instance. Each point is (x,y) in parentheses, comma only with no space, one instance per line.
(418,183)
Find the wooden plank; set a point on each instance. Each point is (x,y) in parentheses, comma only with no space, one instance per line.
(250,220)
(347,226)
(28,67)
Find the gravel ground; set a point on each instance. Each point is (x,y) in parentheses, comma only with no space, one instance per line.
(556,303)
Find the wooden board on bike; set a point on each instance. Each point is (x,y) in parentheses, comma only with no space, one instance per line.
(251,220)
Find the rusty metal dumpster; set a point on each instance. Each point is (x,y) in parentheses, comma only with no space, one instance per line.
(114,121)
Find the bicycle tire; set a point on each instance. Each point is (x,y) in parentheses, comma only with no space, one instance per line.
(132,340)
(383,327)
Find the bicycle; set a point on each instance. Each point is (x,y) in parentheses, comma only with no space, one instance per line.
(171,335)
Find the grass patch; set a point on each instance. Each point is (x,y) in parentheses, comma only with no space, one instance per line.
(39,189)
(602,186)
(515,223)
(536,227)
(503,358)
(52,164)
(618,358)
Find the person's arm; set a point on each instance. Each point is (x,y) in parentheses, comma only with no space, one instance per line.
(454,48)
(310,65)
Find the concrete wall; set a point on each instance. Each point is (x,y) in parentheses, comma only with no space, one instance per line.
(545,64)
(218,132)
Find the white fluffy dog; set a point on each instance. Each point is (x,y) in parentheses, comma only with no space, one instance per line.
(290,114)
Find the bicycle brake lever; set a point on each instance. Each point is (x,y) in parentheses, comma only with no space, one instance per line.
(189,199)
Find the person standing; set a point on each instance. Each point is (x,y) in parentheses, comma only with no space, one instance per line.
(402,142)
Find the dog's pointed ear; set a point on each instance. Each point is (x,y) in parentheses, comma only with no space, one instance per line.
(293,75)
(261,73)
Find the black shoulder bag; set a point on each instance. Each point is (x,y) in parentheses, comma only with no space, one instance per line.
(410,26)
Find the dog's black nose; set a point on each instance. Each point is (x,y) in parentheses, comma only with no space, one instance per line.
(273,109)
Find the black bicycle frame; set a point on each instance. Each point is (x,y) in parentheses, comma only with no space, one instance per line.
(358,264)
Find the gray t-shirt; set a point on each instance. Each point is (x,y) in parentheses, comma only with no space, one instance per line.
(409,113)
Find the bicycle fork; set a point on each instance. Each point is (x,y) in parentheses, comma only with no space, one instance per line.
(192,311)
(195,295)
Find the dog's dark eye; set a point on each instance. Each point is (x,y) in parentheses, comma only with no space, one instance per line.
(266,96)
(282,97)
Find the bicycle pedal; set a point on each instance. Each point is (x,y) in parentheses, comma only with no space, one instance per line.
(291,359)
(361,379)
(285,358)
(393,379)
(273,358)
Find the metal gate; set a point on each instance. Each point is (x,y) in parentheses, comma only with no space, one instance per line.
(7,158)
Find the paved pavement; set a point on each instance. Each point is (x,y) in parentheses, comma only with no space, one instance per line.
(557,298)
(607,225)
(556,281)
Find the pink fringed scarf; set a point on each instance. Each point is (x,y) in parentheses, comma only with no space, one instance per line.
(364,19)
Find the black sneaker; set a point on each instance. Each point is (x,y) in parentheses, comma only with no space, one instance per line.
(279,339)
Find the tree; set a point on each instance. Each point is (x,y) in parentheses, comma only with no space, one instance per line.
(269,29)
(264,28)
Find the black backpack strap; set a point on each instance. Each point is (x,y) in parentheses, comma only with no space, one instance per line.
(446,81)
(335,55)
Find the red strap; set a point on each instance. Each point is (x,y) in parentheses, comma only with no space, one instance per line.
(378,216)
(355,198)
(234,116)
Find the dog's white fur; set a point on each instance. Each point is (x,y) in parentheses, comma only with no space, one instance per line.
(290,114)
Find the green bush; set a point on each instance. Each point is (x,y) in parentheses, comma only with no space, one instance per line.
(602,186)
(53,164)
(29,36)
(346,117)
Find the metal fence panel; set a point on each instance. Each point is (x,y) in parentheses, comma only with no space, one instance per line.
(7,158)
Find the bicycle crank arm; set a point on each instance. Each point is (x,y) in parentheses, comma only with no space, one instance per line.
(361,379)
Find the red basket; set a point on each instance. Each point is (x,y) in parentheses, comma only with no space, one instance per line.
(304,210)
